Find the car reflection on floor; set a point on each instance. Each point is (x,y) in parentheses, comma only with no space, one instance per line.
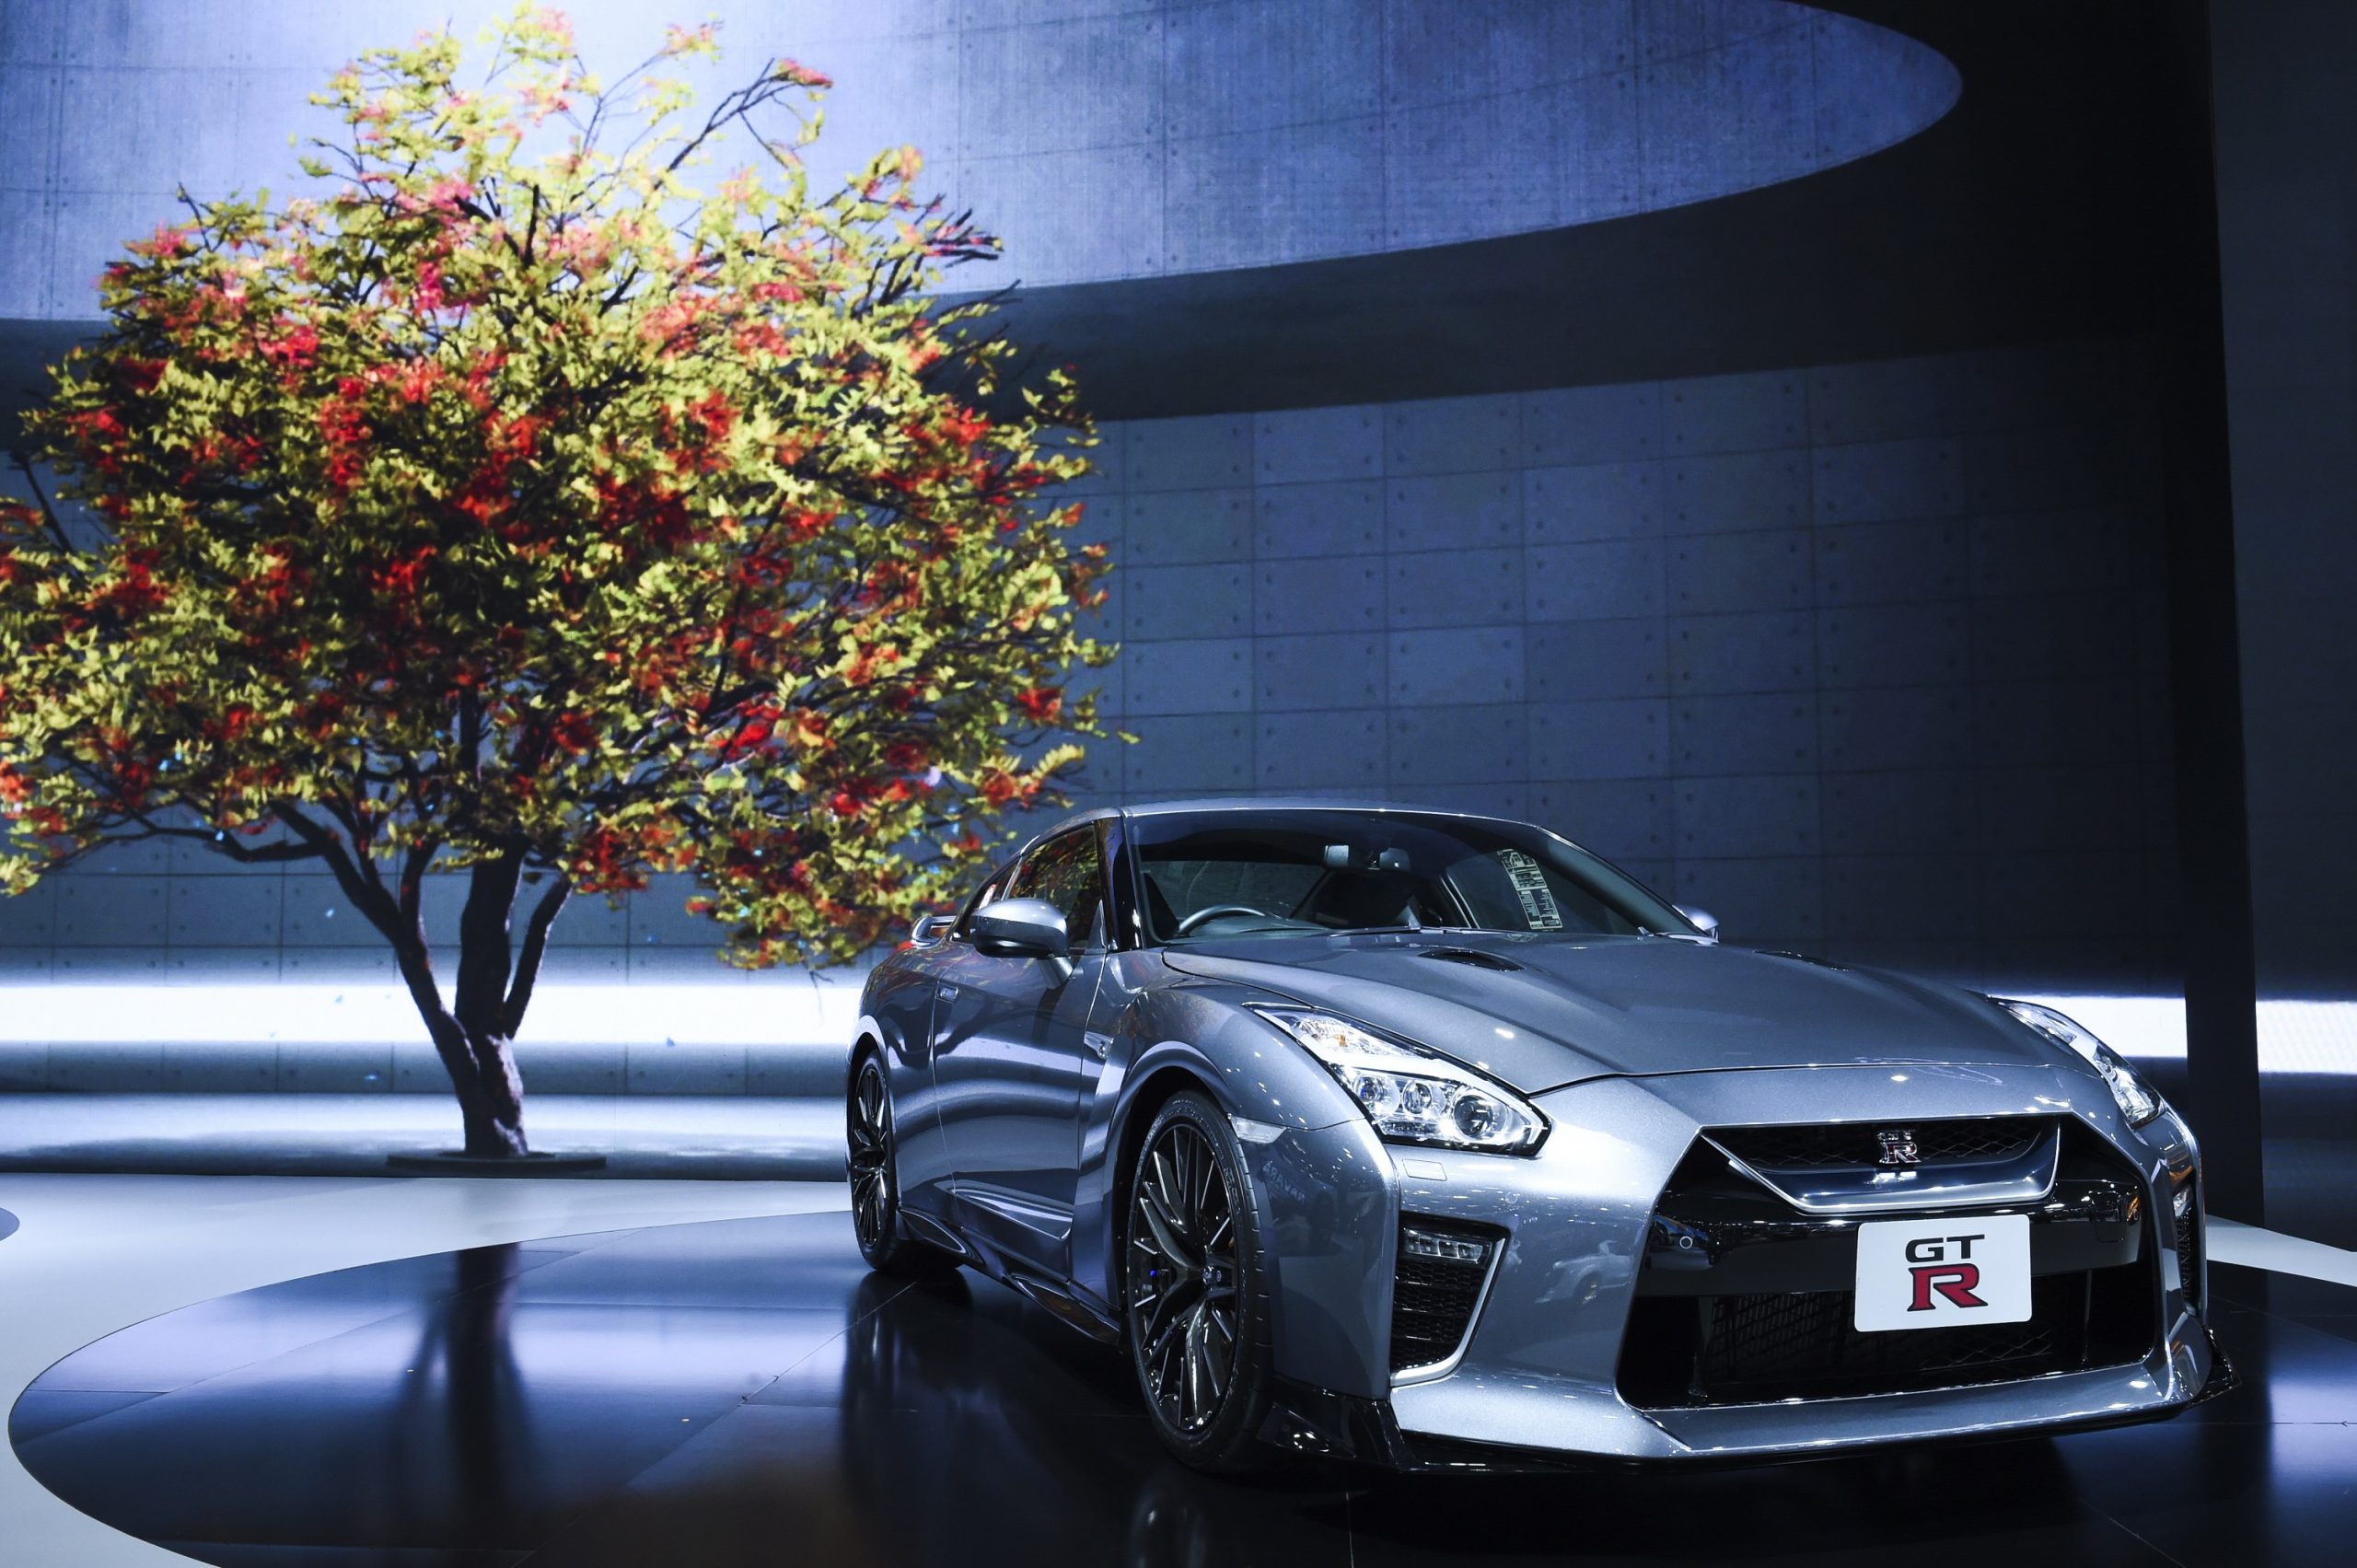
(742,1392)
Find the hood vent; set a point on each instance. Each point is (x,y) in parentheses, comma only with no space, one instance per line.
(1801,959)
(1471,959)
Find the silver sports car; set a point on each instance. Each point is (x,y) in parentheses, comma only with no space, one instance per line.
(1434,1140)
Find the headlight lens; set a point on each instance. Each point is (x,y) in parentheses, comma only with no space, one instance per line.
(1412,1094)
(2137,1102)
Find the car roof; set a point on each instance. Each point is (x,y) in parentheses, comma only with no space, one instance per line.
(1255,803)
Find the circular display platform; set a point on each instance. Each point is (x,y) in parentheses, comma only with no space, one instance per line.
(743,1391)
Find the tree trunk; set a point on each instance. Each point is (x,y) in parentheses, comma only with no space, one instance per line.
(482,1067)
(492,1108)
(476,1036)
(490,1089)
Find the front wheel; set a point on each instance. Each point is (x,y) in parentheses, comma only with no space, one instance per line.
(875,1181)
(1195,1288)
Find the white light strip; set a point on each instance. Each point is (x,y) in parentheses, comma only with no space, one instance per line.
(2294,1036)
(2234,1242)
(2151,1027)
(794,1008)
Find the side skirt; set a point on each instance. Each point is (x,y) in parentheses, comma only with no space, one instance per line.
(930,1230)
(1063,1301)
(1067,1310)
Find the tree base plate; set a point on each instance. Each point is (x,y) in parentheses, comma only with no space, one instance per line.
(458,1162)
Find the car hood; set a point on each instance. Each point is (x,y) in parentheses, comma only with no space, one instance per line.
(1580,1007)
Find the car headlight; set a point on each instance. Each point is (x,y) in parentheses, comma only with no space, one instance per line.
(2137,1102)
(1412,1094)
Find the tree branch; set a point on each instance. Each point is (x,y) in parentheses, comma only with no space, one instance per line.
(413,883)
(368,896)
(479,997)
(528,962)
(219,842)
(364,857)
(366,891)
(24,465)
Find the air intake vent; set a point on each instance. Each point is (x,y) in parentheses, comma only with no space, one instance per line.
(1471,959)
(1443,1268)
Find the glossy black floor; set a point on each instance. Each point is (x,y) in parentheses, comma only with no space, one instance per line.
(742,1392)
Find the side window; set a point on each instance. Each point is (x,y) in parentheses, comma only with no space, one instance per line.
(1068,872)
(984,894)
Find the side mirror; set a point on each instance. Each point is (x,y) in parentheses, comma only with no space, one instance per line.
(1021,928)
(1704,921)
(930,928)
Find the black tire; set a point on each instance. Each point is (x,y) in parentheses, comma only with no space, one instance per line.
(875,1180)
(1194,1292)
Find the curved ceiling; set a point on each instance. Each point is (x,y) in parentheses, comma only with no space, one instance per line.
(1108,139)
(2027,213)
(1250,134)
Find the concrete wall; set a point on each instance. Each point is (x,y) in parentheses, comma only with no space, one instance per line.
(152,911)
(1868,659)
(1106,138)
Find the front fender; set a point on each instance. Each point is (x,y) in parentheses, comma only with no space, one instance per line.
(896,1011)
(1321,1182)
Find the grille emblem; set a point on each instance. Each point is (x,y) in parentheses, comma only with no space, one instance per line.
(1898,1147)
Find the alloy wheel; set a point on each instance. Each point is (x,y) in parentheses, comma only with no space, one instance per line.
(870,1128)
(1183,1277)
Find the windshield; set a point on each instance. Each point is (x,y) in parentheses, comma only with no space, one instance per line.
(1221,875)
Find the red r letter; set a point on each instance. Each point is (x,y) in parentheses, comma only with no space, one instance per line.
(1954,1281)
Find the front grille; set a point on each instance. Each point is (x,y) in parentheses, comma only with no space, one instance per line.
(1689,1350)
(1859,1145)
(1745,1299)
(1757,1347)
(2189,1242)
(1442,1266)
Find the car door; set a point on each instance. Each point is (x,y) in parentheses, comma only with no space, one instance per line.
(1012,1051)
(921,1150)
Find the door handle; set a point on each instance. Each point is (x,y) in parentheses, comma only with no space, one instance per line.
(949,993)
(1102,1044)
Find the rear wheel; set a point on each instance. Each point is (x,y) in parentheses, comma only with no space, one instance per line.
(874,1182)
(1195,1294)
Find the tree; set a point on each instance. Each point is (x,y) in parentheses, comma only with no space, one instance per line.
(514,503)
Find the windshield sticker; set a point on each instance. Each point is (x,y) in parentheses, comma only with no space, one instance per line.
(1530,886)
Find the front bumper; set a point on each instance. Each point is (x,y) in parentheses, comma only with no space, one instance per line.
(1538,1376)
(1321,1423)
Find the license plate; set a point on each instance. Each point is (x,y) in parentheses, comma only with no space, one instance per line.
(1943,1273)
